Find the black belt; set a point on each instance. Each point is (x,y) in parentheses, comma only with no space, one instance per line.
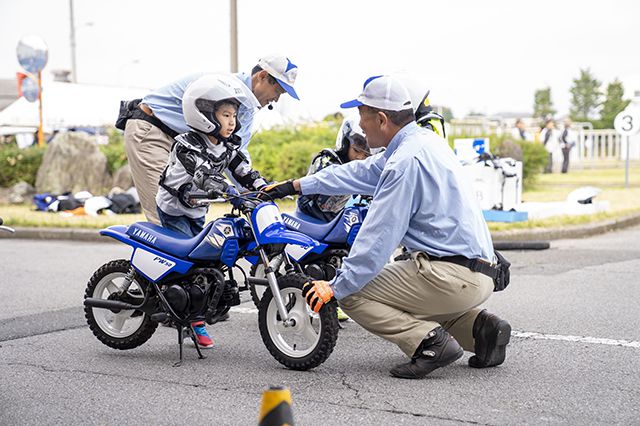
(474,265)
(138,114)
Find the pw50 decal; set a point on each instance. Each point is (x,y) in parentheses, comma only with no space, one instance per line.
(151,265)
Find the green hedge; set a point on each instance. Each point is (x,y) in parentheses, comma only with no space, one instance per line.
(285,153)
(114,151)
(280,153)
(19,164)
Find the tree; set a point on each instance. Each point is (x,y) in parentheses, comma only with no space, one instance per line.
(612,104)
(585,97)
(542,104)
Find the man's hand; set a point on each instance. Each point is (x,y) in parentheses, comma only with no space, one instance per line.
(317,293)
(277,190)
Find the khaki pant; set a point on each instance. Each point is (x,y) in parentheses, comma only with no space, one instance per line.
(412,297)
(147,149)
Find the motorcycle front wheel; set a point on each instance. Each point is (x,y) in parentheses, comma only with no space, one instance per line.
(310,339)
(125,329)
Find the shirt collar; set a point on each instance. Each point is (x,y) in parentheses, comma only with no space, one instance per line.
(399,137)
(245,78)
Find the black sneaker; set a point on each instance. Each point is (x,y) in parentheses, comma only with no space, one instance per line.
(492,336)
(438,349)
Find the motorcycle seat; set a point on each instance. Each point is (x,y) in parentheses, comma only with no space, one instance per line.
(165,240)
(308,225)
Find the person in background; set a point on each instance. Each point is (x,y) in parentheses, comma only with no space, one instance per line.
(520,132)
(567,142)
(549,138)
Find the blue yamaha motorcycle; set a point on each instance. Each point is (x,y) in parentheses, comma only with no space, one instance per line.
(170,276)
(336,236)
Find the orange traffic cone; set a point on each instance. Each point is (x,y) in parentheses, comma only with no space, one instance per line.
(275,409)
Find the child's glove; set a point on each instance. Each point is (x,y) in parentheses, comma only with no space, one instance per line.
(277,190)
(317,293)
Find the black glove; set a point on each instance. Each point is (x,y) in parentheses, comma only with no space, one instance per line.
(277,190)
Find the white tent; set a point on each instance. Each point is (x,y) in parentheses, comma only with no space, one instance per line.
(66,105)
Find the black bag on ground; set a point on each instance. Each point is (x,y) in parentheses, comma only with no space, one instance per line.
(124,203)
(501,281)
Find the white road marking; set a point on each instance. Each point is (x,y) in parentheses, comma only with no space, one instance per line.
(523,334)
(579,339)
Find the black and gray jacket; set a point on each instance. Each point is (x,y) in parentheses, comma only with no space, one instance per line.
(323,207)
(193,153)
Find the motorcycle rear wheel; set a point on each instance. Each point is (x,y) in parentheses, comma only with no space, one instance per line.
(309,342)
(126,329)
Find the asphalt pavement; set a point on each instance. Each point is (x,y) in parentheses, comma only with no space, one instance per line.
(574,356)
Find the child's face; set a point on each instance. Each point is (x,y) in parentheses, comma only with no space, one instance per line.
(226,116)
(356,153)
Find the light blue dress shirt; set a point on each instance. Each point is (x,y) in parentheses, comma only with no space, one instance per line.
(166,104)
(420,200)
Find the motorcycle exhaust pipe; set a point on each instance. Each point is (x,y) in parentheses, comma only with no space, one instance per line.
(113,305)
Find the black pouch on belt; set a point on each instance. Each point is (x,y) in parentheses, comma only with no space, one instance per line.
(126,111)
(501,281)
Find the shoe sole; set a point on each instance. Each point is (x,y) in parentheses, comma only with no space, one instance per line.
(499,341)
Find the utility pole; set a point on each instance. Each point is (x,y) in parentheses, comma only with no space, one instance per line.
(72,32)
(233,5)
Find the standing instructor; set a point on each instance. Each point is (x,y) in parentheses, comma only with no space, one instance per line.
(150,124)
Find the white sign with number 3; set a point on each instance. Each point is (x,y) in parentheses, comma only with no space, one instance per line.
(627,123)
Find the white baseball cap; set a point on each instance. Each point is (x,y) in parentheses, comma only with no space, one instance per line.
(382,92)
(283,70)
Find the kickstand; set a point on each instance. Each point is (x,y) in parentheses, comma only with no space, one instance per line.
(180,336)
(192,333)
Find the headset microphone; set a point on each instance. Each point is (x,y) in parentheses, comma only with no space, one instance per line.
(270,106)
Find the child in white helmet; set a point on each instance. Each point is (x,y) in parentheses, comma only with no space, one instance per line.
(199,159)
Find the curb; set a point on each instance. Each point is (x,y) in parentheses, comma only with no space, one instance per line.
(536,234)
(575,231)
(73,234)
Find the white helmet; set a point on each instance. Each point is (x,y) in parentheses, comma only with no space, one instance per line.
(201,96)
(350,133)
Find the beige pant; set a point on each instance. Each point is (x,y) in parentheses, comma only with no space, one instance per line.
(147,149)
(412,297)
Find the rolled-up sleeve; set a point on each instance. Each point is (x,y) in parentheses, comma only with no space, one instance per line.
(384,227)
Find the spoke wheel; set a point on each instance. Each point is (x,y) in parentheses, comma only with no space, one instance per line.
(306,343)
(125,329)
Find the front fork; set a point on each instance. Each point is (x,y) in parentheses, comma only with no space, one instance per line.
(275,289)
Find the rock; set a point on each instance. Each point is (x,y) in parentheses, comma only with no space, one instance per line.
(73,162)
(122,178)
(4,195)
(20,193)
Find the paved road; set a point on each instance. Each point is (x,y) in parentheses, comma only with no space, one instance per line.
(574,357)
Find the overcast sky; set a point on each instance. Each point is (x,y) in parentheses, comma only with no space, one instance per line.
(486,56)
